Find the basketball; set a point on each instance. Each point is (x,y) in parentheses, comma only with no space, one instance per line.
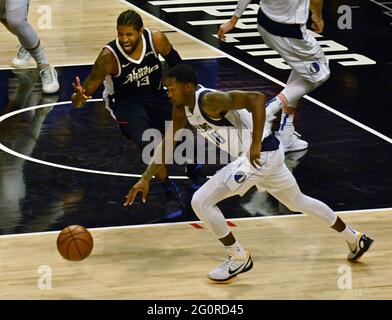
(75,243)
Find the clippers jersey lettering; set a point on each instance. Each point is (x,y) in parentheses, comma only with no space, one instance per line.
(232,133)
(136,78)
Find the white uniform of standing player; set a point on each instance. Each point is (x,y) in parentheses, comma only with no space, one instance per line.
(282,25)
(254,165)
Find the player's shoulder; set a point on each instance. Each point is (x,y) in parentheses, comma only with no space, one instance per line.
(209,98)
(106,55)
(159,38)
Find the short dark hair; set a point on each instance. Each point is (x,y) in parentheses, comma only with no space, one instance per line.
(183,73)
(130,18)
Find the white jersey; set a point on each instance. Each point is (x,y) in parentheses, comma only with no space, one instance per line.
(231,133)
(286,11)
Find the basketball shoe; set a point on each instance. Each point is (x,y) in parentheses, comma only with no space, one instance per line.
(291,141)
(196,175)
(230,268)
(357,249)
(173,204)
(22,58)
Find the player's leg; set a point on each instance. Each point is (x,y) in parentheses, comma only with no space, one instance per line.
(309,70)
(135,124)
(16,16)
(204,203)
(296,201)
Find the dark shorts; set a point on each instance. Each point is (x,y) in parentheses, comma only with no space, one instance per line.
(135,116)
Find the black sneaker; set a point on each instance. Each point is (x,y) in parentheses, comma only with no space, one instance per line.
(173,204)
(357,249)
(196,175)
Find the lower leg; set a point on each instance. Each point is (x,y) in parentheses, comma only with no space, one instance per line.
(232,246)
(204,204)
(28,37)
(295,200)
(349,233)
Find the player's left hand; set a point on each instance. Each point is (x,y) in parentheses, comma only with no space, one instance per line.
(318,24)
(142,186)
(254,154)
(224,28)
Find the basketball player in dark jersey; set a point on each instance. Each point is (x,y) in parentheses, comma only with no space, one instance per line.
(131,71)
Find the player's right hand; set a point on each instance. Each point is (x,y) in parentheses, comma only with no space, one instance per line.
(80,92)
(142,186)
(225,28)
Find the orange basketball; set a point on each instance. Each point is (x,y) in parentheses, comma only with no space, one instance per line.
(75,243)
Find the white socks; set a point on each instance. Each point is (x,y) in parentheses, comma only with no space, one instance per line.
(350,235)
(236,250)
(286,121)
(273,107)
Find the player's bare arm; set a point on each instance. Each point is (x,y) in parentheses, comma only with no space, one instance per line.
(103,66)
(229,25)
(165,49)
(179,122)
(316,7)
(215,104)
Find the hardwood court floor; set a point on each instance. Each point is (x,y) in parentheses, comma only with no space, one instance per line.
(79,31)
(294,258)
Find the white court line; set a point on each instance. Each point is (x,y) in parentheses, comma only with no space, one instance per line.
(167,224)
(90,64)
(267,76)
(381,4)
(51,164)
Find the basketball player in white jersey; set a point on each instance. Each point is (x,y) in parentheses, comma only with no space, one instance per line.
(259,162)
(282,25)
(131,71)
(13,14)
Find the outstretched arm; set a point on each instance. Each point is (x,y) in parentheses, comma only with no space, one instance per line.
(217,102)
(179,122)
(103,66)
(229,25)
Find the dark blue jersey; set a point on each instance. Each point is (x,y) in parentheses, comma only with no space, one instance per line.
(140,78)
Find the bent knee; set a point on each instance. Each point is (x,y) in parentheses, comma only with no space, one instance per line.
(15,23)
(196,201)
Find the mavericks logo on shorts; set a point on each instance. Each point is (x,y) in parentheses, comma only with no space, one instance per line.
(239,176)
(314,67)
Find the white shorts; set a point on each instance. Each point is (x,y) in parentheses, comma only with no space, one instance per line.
(304,56)
(272,176)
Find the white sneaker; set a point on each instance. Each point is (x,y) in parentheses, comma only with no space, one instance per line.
(50,83)
(230,268)
(291,142)
(22,58)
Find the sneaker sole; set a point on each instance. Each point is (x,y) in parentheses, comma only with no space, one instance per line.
(296,150)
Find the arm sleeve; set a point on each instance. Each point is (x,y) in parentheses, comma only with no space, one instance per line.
(241,6)
(173,58)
